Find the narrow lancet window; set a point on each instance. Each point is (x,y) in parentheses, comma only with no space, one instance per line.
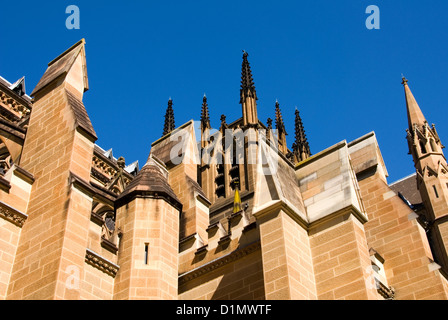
(146,253)
(435,191)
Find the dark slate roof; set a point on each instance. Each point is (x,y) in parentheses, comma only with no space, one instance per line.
(24,99)
(150,181)
(81,116)
(408,188)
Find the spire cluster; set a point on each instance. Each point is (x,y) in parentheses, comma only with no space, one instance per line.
(300,148)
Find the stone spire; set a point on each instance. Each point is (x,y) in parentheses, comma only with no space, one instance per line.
(431,175)
(247,81)
(281,130)
(301,146)
(205,117)
(269,129)
(223,122)
(248,95)
(415,114)
(279,124)
(169,119)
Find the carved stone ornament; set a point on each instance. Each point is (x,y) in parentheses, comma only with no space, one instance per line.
(12,215)
(100,263)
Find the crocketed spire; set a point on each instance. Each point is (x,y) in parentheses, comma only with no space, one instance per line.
(247,81)
(205,117)
(301,147)
(279,124)
(169,118)
(248,95)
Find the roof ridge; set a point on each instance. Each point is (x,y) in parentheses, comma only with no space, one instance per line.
(82,41)
(402,179)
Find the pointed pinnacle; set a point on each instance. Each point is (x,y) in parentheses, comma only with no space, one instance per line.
(205,118)
(279,124)
(169,124)
(247,82)
(404,80)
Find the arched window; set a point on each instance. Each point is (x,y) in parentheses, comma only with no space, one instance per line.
(235,168)
(433,145)
(219,180)
(109,221)
(422,147)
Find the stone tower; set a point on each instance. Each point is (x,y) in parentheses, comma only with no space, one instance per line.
(148,211)
(58,153)
(431,167)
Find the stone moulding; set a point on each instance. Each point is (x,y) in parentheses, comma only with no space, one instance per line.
(95,260)
(12,215)
(219,262)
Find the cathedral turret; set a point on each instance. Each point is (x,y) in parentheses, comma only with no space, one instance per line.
(425,145)
(432,175)
(169,118)
(301,148)
(248,95)
(148,203)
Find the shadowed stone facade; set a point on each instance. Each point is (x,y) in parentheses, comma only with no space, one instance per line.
(231,213)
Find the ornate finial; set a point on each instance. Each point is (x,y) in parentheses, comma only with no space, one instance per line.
(247,82)
(223,119)
(169,118)
(404,80)
(279,124)
(301,147)
(269,122)
(205,118)
(121,162)
(269,129)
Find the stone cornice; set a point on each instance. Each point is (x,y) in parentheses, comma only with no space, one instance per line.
(277,205)
(81,185)
(12,215)
(95,260)
(219,262)
(4,184)
(23,174)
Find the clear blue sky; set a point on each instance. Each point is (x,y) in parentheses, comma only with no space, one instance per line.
(316,55)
